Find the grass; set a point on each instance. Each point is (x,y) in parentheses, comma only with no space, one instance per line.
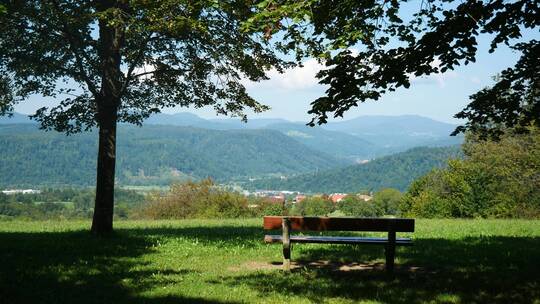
(225,261)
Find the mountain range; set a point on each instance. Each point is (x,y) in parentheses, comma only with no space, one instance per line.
(393,171)
(183,145)
(153,155)
(365,137)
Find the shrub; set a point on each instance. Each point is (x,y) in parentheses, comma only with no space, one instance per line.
(317,206)
(496,179)
(388,200)
(266,207)
(353,206)
(195,200)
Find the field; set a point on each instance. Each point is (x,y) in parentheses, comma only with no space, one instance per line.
(225,261)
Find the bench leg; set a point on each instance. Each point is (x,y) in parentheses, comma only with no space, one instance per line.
(286,225)
(390,251)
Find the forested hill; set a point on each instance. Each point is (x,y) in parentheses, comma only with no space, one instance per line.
(361,138)
(152,155)
(396,171)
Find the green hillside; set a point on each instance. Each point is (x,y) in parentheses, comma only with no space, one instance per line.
(152,155)
(330,142)
(396,171)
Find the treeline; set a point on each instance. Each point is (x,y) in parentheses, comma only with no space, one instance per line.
(495,179)
(206,200)
(152,155)
(385,202)
(64,203)
(394,171)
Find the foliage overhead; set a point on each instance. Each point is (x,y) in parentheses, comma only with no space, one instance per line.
(171,53)
(374,47)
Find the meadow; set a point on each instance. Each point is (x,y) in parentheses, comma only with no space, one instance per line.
(226,261)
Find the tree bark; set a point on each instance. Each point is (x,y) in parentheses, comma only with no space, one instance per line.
(111,42)
(102,222)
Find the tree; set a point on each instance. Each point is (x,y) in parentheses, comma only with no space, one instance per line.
(120,61)
(496,179)
(320,206)
(83,200)
(351,205)
(394,45)
(387,200)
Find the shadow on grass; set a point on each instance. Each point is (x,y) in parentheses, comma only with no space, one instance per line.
(470,270)
(247,236)
(76,267)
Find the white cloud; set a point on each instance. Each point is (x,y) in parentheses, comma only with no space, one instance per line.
(292,79)
(476,80)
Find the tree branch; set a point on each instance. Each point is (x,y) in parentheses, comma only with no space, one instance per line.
(73,47)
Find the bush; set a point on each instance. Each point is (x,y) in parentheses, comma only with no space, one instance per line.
(496,179)
(316,206)
(388,201)
(267,208)
(353,206)
(196,200)
(84,200)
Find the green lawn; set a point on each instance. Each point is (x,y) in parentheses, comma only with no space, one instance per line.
(204,261)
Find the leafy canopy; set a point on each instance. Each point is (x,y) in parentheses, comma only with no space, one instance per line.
(496,179)
(172,53)
(391,45)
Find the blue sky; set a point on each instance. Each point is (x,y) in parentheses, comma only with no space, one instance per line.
(438,96)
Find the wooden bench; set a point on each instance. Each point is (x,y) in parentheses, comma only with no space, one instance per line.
(299,223)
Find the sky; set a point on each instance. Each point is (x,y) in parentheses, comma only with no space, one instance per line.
(437,96)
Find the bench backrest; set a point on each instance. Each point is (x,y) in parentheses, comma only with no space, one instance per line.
(301,223)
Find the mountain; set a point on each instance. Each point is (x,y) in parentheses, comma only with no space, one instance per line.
(258,123)
(338,144)
(365,137)
(16,118)
(152,155)
(185,120)
(396,171)
(398,133)
(330,142)
(192,120)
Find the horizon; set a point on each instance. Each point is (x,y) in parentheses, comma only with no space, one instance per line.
(225,118)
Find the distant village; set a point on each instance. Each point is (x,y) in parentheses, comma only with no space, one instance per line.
(21,191)
(283,197)
(270,195)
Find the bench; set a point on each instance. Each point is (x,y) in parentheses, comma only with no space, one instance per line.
(299,223)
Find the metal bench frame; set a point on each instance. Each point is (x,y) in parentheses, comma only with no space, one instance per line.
(298,223)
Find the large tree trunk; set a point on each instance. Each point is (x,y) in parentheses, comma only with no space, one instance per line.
(111,42)
(102,222)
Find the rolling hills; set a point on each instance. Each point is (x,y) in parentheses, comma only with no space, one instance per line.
(396,171)
(365,137)
(398,133)
(185,146)
(152,155)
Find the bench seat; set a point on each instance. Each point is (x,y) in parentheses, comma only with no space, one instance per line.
(289,224)
(336,240)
